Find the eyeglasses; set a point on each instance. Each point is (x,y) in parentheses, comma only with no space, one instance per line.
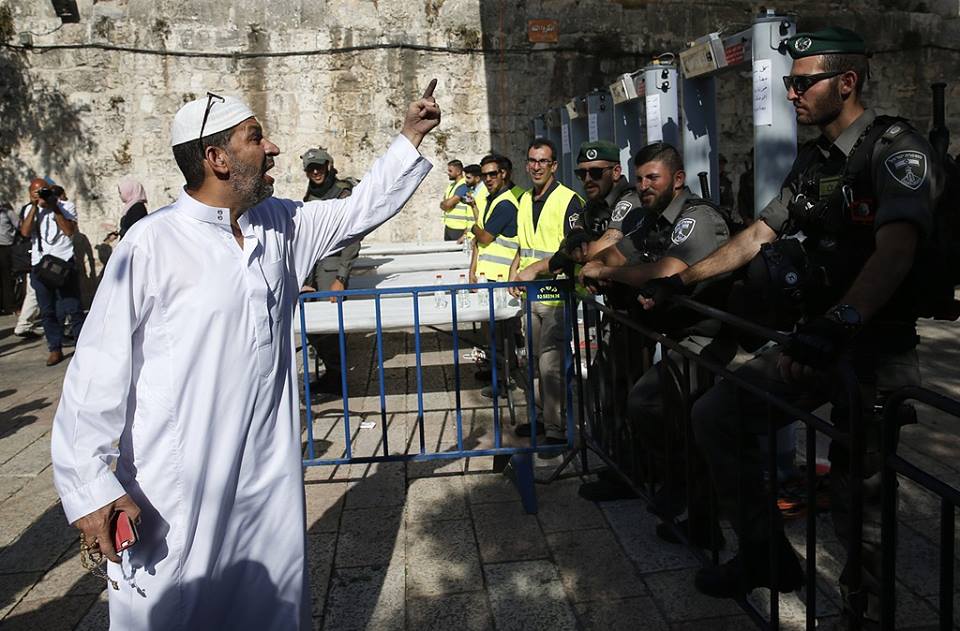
(595,173)
(486,175)
(316,168)
(542,162)
(803,82)
(211,99)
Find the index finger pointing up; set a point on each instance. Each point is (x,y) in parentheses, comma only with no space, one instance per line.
(430,87)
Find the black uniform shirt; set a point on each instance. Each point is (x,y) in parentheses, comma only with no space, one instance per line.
(906,182)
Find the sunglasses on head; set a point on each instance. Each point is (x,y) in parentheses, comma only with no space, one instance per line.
(803,82)
(595,172)
(211,99)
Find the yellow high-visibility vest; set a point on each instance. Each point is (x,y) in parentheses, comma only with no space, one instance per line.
(542,242)
(460,217)
(495,259)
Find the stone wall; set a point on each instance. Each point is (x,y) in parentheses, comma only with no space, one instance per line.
(339,73)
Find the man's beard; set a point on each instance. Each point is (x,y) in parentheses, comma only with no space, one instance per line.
(824,110)
(661,201)
(248,184)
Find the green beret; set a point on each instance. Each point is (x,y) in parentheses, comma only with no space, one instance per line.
(830,41)
(599,150)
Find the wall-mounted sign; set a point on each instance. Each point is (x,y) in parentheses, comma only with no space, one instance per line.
(543,31)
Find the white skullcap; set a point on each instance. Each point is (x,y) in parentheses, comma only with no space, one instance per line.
(225,112)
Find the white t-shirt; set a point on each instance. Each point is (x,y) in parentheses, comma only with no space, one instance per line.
(54,241)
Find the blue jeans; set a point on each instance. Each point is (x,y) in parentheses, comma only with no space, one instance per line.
(56,304)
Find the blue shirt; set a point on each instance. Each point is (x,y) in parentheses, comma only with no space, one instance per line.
(461,191)
(502,220)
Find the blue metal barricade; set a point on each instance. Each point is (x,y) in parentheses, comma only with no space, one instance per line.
(521,456)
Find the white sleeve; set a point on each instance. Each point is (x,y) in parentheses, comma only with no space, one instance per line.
(93,405)
(324,227)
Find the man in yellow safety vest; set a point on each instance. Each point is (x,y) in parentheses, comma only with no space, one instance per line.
(546,214)
(457,216)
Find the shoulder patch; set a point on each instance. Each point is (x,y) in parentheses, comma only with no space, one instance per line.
(621,209)
(909,168)
(683,230)
(573,219)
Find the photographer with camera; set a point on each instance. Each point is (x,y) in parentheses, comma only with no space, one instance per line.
(50,226)
(839,241)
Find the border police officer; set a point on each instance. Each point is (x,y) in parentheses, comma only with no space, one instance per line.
(862,195)
(331,273)
(673,230)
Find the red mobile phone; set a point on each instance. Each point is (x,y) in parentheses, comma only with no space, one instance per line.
(124,531)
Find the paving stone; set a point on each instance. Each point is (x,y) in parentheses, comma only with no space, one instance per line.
(918,562)
(21,432)
(324,503)
(561,508)
(370,536)
(365,598)
(41,544)
(320,549)
(487,488)
(505,532)
(621,615)
(97,617)
(23,508)
(634,528)
(436,499)
(66,578)
(10,485)
(675,594)
(13,587)
(528,596)
(593,566)
(30,461)
(726,623)
(377,484)
(48,615)
(460,612)
(441,558)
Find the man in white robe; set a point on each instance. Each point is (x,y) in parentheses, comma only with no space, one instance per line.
(181,405)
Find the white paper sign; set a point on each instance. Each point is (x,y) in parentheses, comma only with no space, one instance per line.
(625,154)
(654,124)
(762,89)
(592,130)
(565,138)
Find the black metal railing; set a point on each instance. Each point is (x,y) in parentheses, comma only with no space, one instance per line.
(606,431)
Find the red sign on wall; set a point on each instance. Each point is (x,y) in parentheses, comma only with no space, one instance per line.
(543,31)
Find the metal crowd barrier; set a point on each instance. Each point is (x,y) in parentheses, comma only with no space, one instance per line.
(520,457)
(608,426)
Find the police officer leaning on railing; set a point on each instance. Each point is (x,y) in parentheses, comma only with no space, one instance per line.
(675,229)
(840,240)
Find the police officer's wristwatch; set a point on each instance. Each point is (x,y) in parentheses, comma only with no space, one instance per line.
(845,314)
(341,279)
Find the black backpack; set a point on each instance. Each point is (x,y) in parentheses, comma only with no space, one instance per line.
(936,270)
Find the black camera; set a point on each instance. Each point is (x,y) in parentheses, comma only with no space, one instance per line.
(46,194)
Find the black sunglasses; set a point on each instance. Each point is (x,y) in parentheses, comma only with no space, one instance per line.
(211,99)
(803,82)
(489,174)
(595,173)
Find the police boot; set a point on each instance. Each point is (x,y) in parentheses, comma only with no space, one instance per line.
(750,569)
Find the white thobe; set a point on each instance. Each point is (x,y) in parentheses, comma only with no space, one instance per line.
(182,393)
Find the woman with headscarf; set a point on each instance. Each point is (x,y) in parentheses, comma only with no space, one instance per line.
(134,200)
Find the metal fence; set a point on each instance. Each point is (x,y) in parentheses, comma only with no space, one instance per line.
(520,457)
(610,435)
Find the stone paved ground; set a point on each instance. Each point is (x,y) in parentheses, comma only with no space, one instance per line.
(443,545)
